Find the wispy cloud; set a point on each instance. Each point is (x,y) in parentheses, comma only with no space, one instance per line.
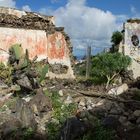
(135,13)
(55,1)
(8,3)
(26,8)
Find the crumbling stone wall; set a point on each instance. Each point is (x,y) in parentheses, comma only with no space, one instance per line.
(131,44)
(40,36)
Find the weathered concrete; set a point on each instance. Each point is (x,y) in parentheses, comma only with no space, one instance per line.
(39,35)
(131,45)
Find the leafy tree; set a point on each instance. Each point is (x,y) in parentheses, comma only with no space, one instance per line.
(115,40)
(109,65)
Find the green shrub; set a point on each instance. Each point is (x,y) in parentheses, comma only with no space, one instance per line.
(80,69)
(115,40)
(108,66)
(6,73)
(42,70)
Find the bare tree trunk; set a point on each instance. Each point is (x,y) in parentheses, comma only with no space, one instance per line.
(88,62)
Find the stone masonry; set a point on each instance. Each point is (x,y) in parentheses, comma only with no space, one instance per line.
(131,44)
(39,35)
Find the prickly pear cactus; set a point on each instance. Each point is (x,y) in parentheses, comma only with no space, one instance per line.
(17,51)
(43,72)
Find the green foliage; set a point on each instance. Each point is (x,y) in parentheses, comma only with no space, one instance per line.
(42,70)
(80,69)
(60,113)
(98,80)
(43,73)
(28,133)
(24,61)
(6,73)
(17,51)
(116,38)
(22,134)
(108,65)
(99,133)
(53,130)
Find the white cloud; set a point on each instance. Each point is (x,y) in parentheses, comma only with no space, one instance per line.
(87,24)
(46,11)
(134,12)
(7,3)
(133,9)
(26,8)
(54,1)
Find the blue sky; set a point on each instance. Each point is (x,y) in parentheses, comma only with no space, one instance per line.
(88,22)
(116,7)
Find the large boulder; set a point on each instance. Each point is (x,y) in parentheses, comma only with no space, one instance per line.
(23,112)
(72,129)
(8,124)
(40,103)
(118,90)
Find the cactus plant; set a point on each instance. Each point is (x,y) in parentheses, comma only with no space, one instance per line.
(43,73)
(17,51)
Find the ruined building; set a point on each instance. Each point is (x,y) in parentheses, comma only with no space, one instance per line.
(131,44)
(40,36)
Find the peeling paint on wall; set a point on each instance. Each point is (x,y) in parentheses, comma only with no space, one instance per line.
(131,45)
(39,35)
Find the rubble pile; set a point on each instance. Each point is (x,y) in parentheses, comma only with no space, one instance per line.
(26,101)
(34,109)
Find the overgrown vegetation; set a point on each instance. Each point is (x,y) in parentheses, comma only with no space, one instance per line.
(61,112)
(6,73)
(115,40)
(19,64)
(105,67)
(100,133)
(23,134)
(109,66)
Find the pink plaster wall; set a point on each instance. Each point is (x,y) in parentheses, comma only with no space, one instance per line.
(52,46)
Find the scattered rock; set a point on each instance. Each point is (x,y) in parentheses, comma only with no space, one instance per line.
(68,100)
(137,113)
(118,90)
(138,121)
(10,125)
(99,112)
(82,103)
(111,122)
(25,83)
(72,129)
(60,92)
(114,111)
(133,134)
(40,103)
(129,125)
(108,105)
(100,103)
(22,111)
(27,98)
(122,119)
